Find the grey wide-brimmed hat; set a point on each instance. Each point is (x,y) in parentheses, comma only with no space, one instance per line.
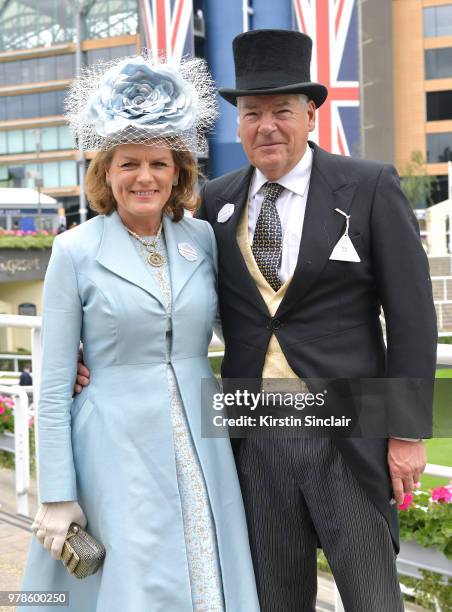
(273,62)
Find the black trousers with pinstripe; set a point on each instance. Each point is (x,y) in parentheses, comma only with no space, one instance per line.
(298,492)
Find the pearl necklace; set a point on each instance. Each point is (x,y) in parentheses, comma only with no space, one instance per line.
(154,258)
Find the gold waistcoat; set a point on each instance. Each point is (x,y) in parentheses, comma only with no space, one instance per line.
(275,365)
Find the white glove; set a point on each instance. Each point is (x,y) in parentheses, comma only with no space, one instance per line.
(52,522)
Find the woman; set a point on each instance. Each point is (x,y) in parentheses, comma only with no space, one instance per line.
(137,285)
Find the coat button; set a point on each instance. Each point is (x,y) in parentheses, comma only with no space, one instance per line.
(276,323)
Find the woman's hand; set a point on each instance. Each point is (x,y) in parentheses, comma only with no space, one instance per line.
(52,522)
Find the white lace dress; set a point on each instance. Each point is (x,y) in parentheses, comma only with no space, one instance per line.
(199,528)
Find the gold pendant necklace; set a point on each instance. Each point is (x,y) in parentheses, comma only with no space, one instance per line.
(154,258)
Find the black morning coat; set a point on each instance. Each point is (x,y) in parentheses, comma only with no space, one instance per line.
(328,322)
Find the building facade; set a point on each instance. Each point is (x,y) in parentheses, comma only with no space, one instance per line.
(392,56)
(406,50)
(38,59)
(37,63)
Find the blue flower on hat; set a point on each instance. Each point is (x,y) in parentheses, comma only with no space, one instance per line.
(135,94)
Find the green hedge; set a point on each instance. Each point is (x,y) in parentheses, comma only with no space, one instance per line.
(39,241)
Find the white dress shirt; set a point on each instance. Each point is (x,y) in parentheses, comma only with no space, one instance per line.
(291,206)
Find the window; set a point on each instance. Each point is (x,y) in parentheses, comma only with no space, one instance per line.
(50,174)
(439,105)
(25,24)
(108,18)
(438,20)
(13,105)
(65,138)
(30,141)
(38,70)
(28,106)
(438,63)
(439,191)
(51,103)
(439,147)
(15,141)
(65,66)
(44,70)
(16,174)
(25,71)
(49,139)
(94,55)
(24,141)
(53,174)
(68,173)
(60,97)
(27,309)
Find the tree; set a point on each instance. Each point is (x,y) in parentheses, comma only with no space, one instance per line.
(416,184)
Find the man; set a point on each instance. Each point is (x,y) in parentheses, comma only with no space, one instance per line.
(289,310)
(25,379)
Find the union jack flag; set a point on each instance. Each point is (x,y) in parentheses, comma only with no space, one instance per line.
(168,28)
(333,27)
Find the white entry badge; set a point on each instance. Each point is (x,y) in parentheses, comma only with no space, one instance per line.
(187,251)
(344,249)
(225,212)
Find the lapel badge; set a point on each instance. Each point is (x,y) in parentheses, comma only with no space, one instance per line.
(225,212)
(187,251)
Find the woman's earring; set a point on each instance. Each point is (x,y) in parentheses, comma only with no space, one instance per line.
(175,183)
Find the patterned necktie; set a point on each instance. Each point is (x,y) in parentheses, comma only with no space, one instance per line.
(267,241)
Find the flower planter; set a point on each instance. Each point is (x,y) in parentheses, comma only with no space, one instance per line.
(413,557)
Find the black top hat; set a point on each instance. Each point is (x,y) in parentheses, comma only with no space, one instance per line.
(273,62)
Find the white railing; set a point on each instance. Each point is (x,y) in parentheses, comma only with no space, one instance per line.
(18,443)
(34,325)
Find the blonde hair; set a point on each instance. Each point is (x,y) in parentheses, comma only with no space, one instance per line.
(183,196)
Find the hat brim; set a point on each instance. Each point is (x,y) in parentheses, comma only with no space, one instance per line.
(315,91)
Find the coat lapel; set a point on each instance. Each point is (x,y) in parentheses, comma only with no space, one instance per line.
(181,268)
(322,227)
(226,233)
(118,254)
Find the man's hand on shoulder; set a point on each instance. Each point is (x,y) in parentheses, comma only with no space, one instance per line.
(406,460)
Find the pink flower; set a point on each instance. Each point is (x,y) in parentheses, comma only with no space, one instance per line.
(407,501)
(9,402)
(442,494)
(30,422)
(2,409)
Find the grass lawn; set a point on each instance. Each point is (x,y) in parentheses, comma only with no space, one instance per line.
(444,373)
(439,451)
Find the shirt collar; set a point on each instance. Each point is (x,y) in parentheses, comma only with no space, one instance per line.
(296,180)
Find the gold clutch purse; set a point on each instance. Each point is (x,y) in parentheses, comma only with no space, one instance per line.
(82,555)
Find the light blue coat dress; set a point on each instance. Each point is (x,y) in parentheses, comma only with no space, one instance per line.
(112,447)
